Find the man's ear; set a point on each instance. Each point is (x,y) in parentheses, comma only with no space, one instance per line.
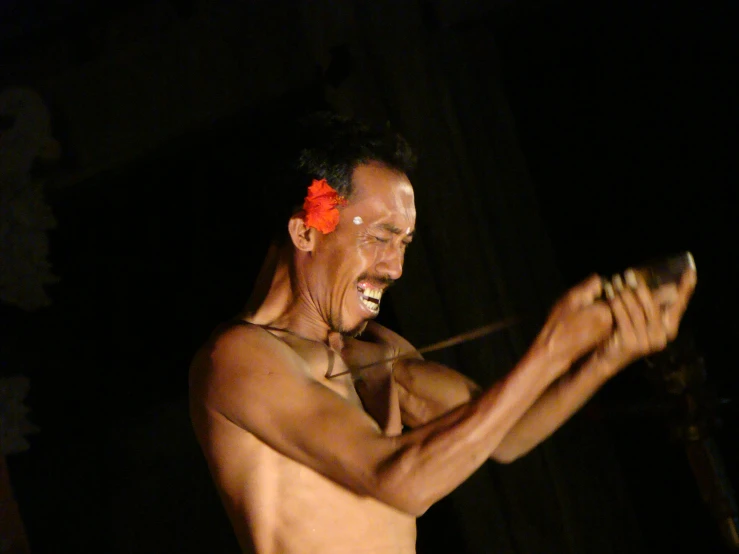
(303,237)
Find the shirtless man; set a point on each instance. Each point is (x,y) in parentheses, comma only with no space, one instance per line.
(309,462)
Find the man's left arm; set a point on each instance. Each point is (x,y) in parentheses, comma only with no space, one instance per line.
(427,390)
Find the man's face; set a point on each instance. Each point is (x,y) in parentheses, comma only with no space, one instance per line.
(354,265)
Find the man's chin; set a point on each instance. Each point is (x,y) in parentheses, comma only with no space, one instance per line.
(359,329)
(353,331)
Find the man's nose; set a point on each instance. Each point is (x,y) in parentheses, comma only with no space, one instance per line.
(391,265)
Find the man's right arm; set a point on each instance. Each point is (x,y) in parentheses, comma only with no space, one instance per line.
(258,383)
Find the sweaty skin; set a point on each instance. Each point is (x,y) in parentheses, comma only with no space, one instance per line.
(307,464)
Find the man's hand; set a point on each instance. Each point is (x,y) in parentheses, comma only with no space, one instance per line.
(577,324)
(633,321)
(644,320)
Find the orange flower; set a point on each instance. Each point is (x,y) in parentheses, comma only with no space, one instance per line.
(320,206)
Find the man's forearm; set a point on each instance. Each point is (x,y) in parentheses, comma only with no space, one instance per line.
(561,400)
(429,462)
(432,460)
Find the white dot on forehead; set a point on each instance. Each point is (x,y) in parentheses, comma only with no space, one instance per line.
(357,220)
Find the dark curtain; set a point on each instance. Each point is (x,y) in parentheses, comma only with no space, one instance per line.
(481,254)
(152,254)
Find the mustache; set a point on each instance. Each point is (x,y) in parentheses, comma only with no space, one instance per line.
(383,280)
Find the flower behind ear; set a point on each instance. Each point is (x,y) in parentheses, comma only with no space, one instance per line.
(320,206)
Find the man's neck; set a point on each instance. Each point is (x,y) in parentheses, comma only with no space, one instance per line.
(276,301)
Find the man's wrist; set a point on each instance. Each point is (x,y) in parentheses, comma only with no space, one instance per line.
(553,363)
(600,367)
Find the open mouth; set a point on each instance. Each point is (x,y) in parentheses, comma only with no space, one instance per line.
(370,296)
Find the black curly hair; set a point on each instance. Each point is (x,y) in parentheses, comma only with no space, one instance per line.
(335,146)
(329,146)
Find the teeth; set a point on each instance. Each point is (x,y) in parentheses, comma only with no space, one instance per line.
(370,297)
(373,293)
(371,305)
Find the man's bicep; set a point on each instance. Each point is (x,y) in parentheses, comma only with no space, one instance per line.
(261,391)
(428,390)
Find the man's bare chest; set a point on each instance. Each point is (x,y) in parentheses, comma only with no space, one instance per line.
(375,392)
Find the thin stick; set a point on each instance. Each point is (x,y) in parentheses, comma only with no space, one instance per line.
(446,343)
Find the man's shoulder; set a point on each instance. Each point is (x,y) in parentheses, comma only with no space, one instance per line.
(377,332)
(241,346)
(238,332)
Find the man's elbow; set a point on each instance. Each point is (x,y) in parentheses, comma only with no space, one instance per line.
(406,500)
(505,456)
(503,459)
(397,485)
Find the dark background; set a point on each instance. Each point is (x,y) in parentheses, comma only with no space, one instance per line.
(626,118)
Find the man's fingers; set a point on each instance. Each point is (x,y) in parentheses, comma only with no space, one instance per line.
(644,320)
(587,292)
(636,311)
(666,295)
(658,337)
(687,284)
(621,319)
(645,297)
(673,313)
(638,321)
(655,333)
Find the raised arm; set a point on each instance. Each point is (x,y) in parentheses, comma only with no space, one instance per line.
(645,321)
(258,383)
